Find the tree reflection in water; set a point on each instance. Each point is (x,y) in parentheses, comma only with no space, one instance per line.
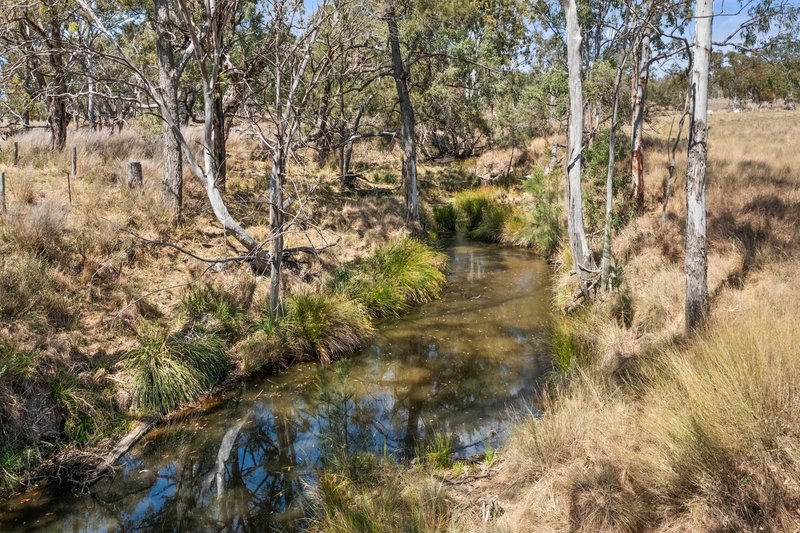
(452,367)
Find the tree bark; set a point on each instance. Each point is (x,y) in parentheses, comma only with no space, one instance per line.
(172,185)
(219,142)
(579,246)
(640,79)
(696,265)
(612,144)
(57,89)
(90,108)
(407,125)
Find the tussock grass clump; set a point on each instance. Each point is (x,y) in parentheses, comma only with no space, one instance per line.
(38,229)
(445,217)
(31,290)
(473,204)
(218,311)
(400,274)
(170,371)
(324,325)
(387,501)
(722,424)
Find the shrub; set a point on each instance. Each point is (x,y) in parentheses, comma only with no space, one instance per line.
(324,325)
(396,276)
(445,218)
(539,225)
(170,371)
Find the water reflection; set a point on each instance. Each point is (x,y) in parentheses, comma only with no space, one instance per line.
(452,367)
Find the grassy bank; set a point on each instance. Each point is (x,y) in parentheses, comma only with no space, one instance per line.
(644,428)
(99,329)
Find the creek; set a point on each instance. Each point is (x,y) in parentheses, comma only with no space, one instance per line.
(459,367)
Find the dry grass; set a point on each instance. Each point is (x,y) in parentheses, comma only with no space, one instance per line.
(658,432)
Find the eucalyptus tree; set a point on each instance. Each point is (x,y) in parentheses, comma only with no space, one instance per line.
(579,245)
(204,22)
(36,36)
(696,261)
(278,109)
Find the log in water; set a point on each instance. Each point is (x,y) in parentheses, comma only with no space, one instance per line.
(455,367)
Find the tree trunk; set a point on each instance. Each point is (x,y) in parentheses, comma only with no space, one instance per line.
(696,266)
(276,232)
(612,144)
(640,79)
(90,108)
(347,178)
(407,125)
(323,129)
(219,140)
(581,254)
(57,90)
(172,189)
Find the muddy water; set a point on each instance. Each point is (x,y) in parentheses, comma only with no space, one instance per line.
(454,367)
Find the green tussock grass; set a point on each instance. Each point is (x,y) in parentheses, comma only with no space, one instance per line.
(384,500)
(398,275)
(324,325)
(170,371)
(217,311)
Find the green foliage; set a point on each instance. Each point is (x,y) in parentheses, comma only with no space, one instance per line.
(596,160)
(437,450)
(324,325)
(539,226)
(387,501)
(219,312)
(170,371)
(15,464)
(386,176)
(568,348)
(472,204)
(444,217)
(399,274)
(622,306)
(15,364)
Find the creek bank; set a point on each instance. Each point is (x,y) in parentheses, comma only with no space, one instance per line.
(225,343)
(447,369)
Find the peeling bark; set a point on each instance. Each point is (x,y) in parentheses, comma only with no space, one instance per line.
(696,262)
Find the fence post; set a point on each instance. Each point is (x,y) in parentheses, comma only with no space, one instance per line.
(3,192)
(16,153)
(134,175)
(69,189)
(74,161)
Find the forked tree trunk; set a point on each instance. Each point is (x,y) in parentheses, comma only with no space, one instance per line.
(640,79)
(579,246)
(172,189)
(407,125)
(696,266)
